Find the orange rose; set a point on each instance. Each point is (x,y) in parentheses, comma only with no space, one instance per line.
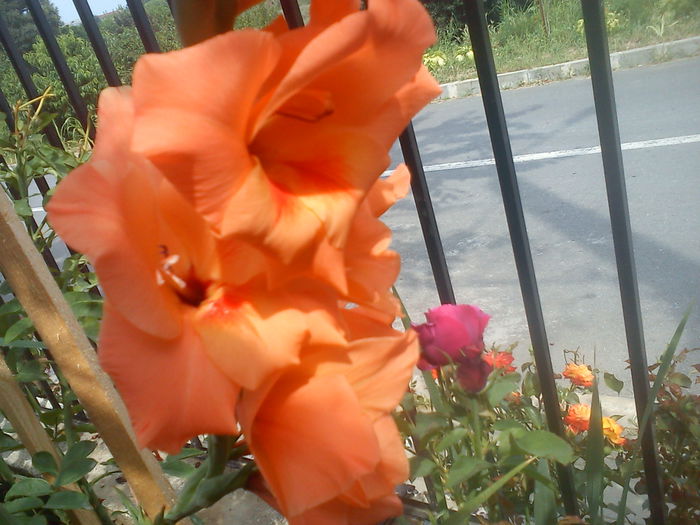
(613,431)
(579,375)
(514,397)
(577,418)
(332,413)
(500,360)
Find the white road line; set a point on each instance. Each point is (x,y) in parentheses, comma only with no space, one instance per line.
(670,141)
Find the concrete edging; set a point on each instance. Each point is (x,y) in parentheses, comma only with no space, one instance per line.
(620,60)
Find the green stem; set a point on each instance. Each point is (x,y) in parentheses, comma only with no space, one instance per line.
(96,503)
(5,471)
(212,495)
(476,423)
(475,502)
(67,411)
(219,451)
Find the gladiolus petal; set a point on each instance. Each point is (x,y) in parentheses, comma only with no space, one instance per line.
(175,392)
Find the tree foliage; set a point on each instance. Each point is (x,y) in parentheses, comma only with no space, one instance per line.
(446,12)
(120,35)
(20,23)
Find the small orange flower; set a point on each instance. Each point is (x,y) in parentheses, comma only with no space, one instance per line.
(514,397)
(613,431)
(579,375)
(577,418)
(500,360)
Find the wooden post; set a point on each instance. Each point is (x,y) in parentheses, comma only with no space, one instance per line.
(31,433)
(33,285)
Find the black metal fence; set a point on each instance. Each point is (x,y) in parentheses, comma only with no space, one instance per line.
(594,23)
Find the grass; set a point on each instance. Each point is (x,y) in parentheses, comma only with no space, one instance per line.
(520,40)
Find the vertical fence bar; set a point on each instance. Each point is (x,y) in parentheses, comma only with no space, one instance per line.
(500,142)
(143,26)
(611,152)
(25,79)
(7,110)
(426,215)
(59,62)
(97,42)
(292,13)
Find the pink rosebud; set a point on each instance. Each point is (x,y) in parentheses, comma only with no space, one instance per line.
(472,373)
(452,332)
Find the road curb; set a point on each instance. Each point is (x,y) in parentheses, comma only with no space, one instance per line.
(576,68)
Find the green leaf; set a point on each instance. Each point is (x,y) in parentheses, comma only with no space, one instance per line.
(76,463)
(72,471)
(428,423)
(666,360)
(187,452)
(680,379)
(67,499)
(177,468)
(464,468)
(8,442)
(22,208)
(26,344)
(421,467)
(595,458)
(501,388)
(545,502)
(572,398)
(37,519)
(475,502)
(452,437)
(45,463)
(81,449)
(10,307)
(531,385)
(437,397)
(18,329)
(544,444)
(6,518)
(613,382)
(28,487)
(23,504)
(28,371)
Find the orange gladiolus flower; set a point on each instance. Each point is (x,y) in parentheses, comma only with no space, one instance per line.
(276,136)
(333,415)
(613,431)
(231,211)
(579,375)
(173,302)
(577,418)
(500,360)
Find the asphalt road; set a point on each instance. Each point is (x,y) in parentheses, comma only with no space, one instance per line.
(566,213)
